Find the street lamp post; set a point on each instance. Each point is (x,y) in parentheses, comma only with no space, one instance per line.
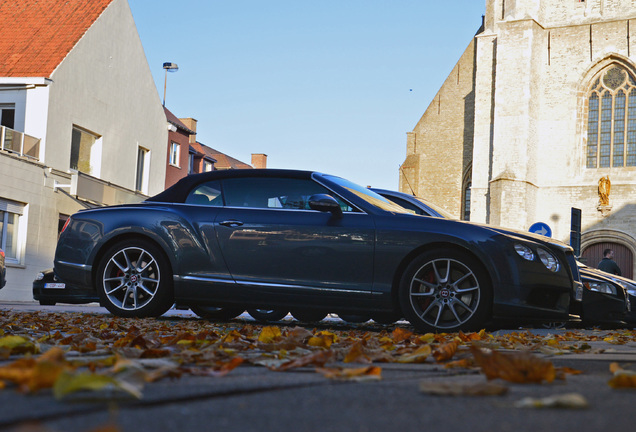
(169,67)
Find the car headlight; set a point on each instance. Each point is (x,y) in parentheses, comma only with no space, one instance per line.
(40,276)
(602,287)
(548,260)
(524,252)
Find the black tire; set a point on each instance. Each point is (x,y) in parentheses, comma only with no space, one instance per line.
(47,303)
(267,315)
(217,313)
(134,279)
(354,319)
(445,291)
(308,315)
(385,319)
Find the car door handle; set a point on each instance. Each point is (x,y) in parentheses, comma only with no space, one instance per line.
(231,223)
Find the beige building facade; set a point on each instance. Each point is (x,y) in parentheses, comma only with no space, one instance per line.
(540,107)
(81,124)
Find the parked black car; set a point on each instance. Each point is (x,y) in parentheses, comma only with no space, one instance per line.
(309,243)
(605,301)
(48,289)
(3,270)
(628,284)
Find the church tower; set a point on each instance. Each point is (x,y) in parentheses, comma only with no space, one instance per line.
(547,95)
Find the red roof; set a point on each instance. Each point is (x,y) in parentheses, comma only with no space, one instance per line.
(38,34)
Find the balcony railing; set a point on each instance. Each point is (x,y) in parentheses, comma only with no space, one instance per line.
(19,143)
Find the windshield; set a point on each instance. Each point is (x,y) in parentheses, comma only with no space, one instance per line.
(437,208)
(369,196)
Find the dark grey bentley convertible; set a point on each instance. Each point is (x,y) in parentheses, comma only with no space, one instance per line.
(279,240)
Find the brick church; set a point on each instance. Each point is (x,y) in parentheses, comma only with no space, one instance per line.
(538,117)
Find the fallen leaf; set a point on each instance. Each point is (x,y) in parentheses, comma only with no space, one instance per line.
(568,401)
(369,373)
(517,367)
(69,383)
(269,334)
(462,389)
(418,356)
(317,359)
(445,352)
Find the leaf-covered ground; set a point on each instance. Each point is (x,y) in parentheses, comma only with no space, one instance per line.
(71,352)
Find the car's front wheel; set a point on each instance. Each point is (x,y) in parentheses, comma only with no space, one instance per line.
(445,290)
(134,279)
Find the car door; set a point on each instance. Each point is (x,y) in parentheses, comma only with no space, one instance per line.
(270,238)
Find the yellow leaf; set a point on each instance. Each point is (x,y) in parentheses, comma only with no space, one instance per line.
(269,334)
(417,356)
(69,383)
(18,345)
(323,339)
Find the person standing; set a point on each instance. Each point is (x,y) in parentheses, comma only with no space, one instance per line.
(607,264)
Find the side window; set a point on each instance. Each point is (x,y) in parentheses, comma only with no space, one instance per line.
(407,205)
(208,194)
(280,193)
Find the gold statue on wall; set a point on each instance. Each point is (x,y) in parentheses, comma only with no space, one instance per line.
(604,187)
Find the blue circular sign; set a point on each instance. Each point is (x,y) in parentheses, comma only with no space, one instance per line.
(541,228)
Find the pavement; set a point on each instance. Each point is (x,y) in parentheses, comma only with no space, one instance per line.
(254,398)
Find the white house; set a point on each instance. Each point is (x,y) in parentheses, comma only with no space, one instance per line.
(82,124)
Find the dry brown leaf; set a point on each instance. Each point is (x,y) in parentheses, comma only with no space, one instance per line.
(517,367)
(369,373)
(462,389)
(446,351)
(319,359)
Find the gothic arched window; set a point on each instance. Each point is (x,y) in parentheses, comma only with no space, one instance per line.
(611,120)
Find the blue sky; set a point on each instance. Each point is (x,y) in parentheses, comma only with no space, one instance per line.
(321,85)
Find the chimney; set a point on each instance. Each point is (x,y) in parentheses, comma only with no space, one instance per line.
(191,124)
(259,160)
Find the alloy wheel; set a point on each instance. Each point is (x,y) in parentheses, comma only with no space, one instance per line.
(444,293)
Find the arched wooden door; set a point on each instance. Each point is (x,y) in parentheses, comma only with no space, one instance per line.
(622,255)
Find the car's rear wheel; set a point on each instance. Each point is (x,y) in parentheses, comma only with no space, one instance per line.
(267,315)
(445,290)
(217,313)
(308,315)
(135,280)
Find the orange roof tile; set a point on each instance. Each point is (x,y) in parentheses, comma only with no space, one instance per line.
(38,34)
(224,161)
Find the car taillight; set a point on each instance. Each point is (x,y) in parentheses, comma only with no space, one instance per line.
(65,225)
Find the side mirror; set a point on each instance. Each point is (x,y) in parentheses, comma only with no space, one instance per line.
(325,203)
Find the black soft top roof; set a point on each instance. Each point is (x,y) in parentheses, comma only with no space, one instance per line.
(178,192)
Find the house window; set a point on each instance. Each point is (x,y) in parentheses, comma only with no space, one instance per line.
(175,151)
(191,163)
(611,120)
(85,151)
(10,215)
(207,166)
(7,116)
(143,160)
